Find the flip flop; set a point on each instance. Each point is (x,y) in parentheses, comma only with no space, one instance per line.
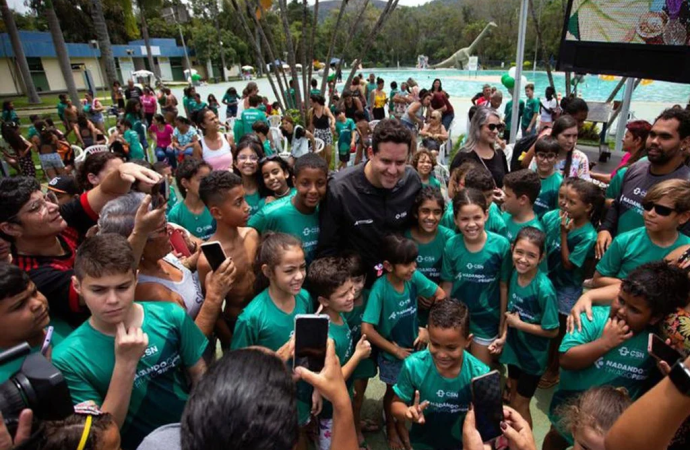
(548,383)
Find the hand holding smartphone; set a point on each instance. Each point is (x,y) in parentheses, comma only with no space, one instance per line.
(488,408)
(214,254)
(159,193)
(179,244)
(311,339)
(662,351)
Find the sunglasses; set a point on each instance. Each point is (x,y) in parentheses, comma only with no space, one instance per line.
(661,210)
(496,126)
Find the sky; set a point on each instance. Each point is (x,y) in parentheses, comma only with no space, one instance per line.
(18,5)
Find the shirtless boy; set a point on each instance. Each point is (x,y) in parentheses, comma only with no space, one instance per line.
(223,195)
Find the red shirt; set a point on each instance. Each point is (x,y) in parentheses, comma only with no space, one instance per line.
(439,100)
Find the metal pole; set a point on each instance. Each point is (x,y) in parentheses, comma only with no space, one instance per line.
(623,116)
(522,30)
(184,45)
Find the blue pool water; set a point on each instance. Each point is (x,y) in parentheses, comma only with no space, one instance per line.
(592,88)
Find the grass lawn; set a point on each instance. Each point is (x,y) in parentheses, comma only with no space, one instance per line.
(47,100)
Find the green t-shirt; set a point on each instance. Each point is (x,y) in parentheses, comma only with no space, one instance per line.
(552,227)
(366,368)
(513,228)
(581,246)
(61,110)
(186,103)
(531,107)
(314,92)
(449,399)
(136,151)
(614,188)
(232,99)
(535,303)
(160,391)
(263,323)
(268,151)
(628,365)
(632,249)
(202,226)
(433,182)
(476,279)
(393,313)
(248,117)
(344,349)
(344,131)
(508,119)
(494,223)
(255,202)
(429,261)
(282,216)
(548,196)
(32,132)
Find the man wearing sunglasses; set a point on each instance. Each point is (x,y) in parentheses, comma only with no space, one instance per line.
(366,202)
(667,146)
(44,235)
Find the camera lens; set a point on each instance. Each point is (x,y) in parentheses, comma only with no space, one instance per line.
(11,399)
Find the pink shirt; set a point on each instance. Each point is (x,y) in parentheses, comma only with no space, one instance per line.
(163,137)
(149,103)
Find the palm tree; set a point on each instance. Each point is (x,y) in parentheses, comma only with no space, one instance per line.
(103,41)
(19,55)
(341,12)
(61,51)
(292,61)
(147,41)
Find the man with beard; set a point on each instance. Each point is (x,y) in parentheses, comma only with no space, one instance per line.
(667,146)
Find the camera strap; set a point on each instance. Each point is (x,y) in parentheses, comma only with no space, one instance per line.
(85,433)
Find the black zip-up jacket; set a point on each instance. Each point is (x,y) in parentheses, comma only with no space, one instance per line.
(356,215)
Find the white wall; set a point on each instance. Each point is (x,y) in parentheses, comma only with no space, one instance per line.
(7,87)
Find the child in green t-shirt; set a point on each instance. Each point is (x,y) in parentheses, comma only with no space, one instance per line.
(135,360)
(231,100)
(366,368)
(431,239)
(268,320)
(590,416)
(131,137)
(191,213)
(347,138)
(433,391)
(261,129)
(331,285)
(390,319)
(666,208)
(531,321)
(246,162)
(611,346)
(298,215)
(552,227)
(476,269)
(546,153)
(471,175)
(424,162)
(521,191)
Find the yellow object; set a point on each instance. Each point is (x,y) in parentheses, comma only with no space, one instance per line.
(265,5)
(646,82)
(609,78)
(85,433)
(380,100)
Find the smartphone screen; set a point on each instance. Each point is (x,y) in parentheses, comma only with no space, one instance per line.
(488,409)
(662,351)
(159,193)
(214,254)
(46,341)
(311,337)
(178,243)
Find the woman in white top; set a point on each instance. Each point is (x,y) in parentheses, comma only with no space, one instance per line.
(215,148)
(548,107)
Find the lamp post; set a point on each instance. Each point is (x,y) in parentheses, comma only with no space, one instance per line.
(522,30)
(184,45)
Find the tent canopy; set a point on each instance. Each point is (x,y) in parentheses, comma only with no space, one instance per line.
(247,68)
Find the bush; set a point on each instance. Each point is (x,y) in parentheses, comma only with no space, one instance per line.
(296,116)
(589,132)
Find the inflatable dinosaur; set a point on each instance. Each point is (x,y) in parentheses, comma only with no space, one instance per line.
(460,58)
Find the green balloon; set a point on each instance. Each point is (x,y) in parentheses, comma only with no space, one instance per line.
(508,81)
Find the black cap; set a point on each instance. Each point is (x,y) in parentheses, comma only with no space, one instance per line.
(63,185)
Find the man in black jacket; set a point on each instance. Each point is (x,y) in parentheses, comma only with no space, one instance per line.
(366,202)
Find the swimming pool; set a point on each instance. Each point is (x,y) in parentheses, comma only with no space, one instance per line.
(461,84)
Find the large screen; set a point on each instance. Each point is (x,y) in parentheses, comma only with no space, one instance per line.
(640,38)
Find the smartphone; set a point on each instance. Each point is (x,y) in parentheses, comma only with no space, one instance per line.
(178,243)
(684,257)
(662,351)
(159,193)
(214,254)
(311,337)
(488,407)
(46,341)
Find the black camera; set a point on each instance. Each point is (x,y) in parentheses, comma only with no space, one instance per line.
(38,385)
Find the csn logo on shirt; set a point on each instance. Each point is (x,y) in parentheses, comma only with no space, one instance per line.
(308,231)
(429,259)
(443,394)
(471,266)
(401,215)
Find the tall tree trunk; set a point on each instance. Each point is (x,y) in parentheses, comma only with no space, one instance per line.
(385,14)
(257,46)
(222,50)
(267,37)
(19,55)
(61,52)
(310,55)
(542,47)
(329,55)
(305,82)
(291,58)
(103,41)
(350,34)
(147,42)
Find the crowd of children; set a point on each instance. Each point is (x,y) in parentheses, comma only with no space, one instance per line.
(476,279)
